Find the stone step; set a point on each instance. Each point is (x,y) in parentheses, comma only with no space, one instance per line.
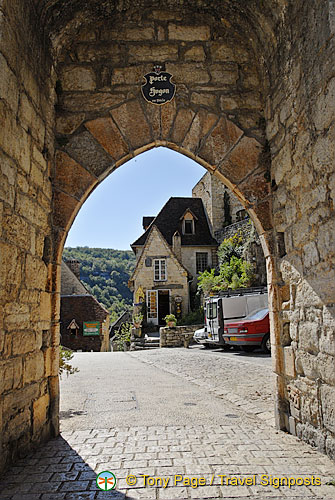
(146,343)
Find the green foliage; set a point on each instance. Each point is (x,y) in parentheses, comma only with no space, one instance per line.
(138,318)
(65,356)
(234,271)
(193,318)
(231,247)
(105,273)
(208,282)
(122,338)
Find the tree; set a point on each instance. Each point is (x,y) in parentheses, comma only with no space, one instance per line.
(105,273)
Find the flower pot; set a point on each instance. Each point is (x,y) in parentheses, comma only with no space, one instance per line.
(171,324)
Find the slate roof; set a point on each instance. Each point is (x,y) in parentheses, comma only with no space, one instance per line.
(70,284)
(168,221)
(71,287)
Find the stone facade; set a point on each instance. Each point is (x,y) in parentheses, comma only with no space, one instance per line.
(254,105)
(181,231)
(223,208)
(176,274)
(189,260)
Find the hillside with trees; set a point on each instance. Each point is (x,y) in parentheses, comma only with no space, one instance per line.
(105,273)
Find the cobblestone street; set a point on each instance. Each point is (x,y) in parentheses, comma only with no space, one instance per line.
(205,418)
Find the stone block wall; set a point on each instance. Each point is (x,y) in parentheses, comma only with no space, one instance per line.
(244,226)
(300,114)
(190,262)
(28,339)
(213,194)
(178,336)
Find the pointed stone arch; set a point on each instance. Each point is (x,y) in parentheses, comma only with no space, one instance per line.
(105,143)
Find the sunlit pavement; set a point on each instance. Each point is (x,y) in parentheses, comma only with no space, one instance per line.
(213,439)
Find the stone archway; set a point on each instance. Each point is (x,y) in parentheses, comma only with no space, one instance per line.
(216,118)
(202,136)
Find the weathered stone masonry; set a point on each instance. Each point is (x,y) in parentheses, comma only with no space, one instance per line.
(300,129)
(254,105)
(28,340)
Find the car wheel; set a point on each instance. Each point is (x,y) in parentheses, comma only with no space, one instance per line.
(248,348)
(266,343)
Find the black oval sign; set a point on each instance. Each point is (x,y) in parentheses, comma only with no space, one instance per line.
(158,88)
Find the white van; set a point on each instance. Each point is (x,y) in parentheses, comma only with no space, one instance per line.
(228,306)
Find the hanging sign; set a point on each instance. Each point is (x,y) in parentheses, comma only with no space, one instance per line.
(91,328)
(158,88)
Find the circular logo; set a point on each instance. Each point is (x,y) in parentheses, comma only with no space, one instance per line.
(106,480)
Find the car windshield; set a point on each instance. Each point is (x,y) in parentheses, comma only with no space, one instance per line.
(258,314)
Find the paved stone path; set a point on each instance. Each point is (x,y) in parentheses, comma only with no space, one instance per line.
(242,448)
(246,380)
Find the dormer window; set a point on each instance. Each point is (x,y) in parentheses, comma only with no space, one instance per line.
(188,222)
(188,226)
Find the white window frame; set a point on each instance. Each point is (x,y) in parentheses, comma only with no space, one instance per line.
(161,268)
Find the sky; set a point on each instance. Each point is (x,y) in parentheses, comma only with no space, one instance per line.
(111,217)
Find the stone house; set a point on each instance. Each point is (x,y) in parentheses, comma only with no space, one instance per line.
(84,322)
(176,246)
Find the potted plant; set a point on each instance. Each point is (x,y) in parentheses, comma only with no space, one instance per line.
(170,320)
(137,320)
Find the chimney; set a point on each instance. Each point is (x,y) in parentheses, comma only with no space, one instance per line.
(74,265)
(176,245)
(146,221)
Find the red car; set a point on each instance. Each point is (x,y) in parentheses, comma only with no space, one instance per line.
(250,332)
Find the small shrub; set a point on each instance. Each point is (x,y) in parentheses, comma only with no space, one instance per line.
(122,337)
(65,356)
